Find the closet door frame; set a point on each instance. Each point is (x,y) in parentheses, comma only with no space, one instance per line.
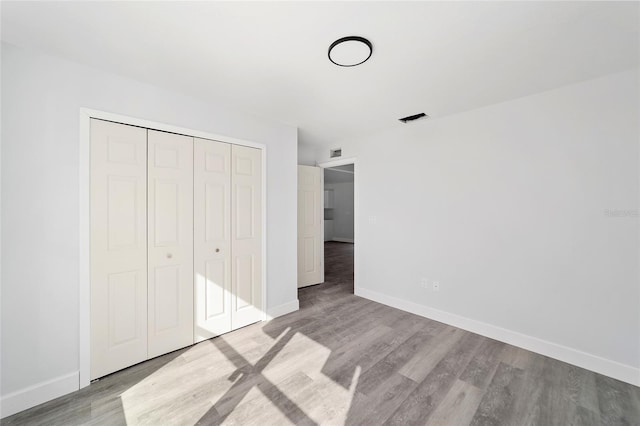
(84,222)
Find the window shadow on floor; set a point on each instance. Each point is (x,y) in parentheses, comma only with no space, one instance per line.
(329,320)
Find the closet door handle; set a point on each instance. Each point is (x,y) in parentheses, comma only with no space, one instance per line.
(169,255)
(217,250)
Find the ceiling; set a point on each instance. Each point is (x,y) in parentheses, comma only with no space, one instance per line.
(270,59)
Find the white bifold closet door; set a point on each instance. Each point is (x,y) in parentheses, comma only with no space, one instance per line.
(170,241)
(212,238)
(227,237)
(118,247)
(176,242)
(246,236)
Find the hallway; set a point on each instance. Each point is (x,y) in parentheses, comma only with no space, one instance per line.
(338,276)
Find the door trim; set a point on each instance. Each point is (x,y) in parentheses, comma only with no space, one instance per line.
(84,230)
(344,162)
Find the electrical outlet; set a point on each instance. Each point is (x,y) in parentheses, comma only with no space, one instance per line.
(435,286)
(424,283)
(373,220)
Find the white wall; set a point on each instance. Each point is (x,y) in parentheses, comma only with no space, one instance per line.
(342,210)
(307,154)
(506,206)
(41,98)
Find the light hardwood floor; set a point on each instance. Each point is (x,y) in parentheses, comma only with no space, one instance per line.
(342,359)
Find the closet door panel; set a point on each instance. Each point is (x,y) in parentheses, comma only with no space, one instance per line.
(246,238)
(212,238)
(118,247)
(170,242)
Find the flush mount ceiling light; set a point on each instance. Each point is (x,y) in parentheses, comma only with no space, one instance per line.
(350,51)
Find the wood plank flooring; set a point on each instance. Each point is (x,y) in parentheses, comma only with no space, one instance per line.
(340,360)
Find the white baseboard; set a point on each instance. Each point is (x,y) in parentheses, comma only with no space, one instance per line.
(616,370)
(37,394)
(342,240)
(280,310)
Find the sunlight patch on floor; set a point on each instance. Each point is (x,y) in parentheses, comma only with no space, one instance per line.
(317,396)
(259,380)
(184,371)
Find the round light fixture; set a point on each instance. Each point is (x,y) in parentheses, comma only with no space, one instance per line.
(350,51)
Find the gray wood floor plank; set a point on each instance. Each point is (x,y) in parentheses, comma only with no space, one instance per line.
(484,364)
(584,417)
(377,407)
(421,403)
(366,357)
(615,402)
(557,404)
(516,357)
(392,363)
(584,389)
(497,404)
(361,342)
(526,409)
(422,363)
(458,406)
(262,409)
(634,396)
(351,355)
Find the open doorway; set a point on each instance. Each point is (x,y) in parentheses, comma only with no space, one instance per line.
(339,235)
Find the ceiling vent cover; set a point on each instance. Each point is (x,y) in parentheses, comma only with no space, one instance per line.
(334,153)
(413,117)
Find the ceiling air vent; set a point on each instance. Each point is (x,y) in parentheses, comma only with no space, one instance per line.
(413,117)
(334,153)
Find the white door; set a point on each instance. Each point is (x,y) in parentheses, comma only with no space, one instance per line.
(310,216)
(170,242)
(246,236)
(212,238)
(118,246)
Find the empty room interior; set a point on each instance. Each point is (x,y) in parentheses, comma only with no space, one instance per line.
(320,213)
